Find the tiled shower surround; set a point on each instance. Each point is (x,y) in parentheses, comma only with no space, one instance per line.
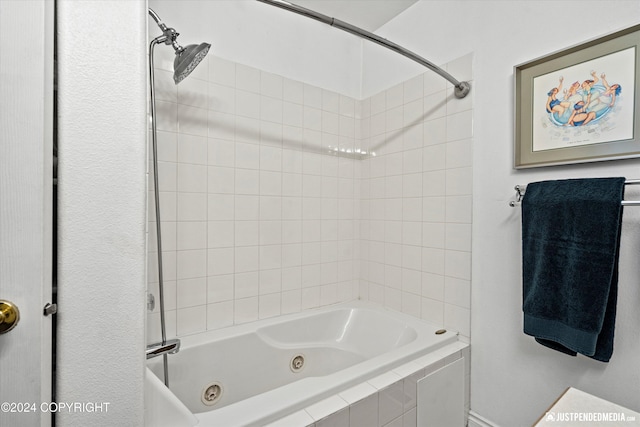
(278,196)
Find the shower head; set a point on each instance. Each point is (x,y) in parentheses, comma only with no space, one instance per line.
(187,58)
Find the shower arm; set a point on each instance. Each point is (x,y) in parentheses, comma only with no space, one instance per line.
(169,35)
(461,88)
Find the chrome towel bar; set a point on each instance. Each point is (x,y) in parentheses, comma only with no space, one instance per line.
(520,190)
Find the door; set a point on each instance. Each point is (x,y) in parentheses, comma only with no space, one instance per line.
(26,152)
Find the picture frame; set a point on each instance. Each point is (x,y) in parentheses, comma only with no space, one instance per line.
(579,104)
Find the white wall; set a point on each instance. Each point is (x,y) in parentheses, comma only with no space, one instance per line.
(102,201)
(268,38)
(513,378)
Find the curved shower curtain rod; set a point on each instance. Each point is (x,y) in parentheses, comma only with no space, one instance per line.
(461,88)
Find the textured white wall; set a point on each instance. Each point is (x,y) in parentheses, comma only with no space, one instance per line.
(268,38)
(102,194)
(514,379)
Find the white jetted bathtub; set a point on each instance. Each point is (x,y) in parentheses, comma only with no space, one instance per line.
(256,373)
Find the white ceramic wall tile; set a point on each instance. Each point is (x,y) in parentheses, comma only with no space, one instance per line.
(193,92)
(222,98)
(247,181)
(441,396)
(457,292)
(312,96)
(191,263)
(191,292)
(246,129)
(412,281)
(310,297)
(271,208)
(326,407)
(247,78)
(268,305)
(293,91)
(434,131)
(219,315)
(433,83)
(193,178)
(271,158)
(413,89)
(458,264)
(433,209)
(270,281)
(409,418)
(165,88)
(192,149)
(247,156)
(433,311)
(166,116)
(220,261)
(221,125)
(222,71)
(390,403)
(167,147)
(247,259)
(270,109)
(154,333)
(167,176)
(458,237)
(216,207)
(358,393)
(457,319)
(412,232)
(191,235)
(433,286)
(247,104)
(271,85)
(247,233)
(193,120)
(435,183)
(364,412)
(245,310)
(337,419)
(246,207)
(395,423)
(220,288)
(434,105)
(411,305)
(460,126)
(220,234)
(300,418)
(191,320)
(433,260)
(459,209)
(290,301)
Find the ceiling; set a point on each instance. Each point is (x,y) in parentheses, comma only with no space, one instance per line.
(366,14)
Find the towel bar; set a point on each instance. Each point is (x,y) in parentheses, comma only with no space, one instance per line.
(520,190)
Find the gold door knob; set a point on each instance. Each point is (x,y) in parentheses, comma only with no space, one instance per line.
(9,316)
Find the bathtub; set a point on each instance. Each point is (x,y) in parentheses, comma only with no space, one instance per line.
(256,373)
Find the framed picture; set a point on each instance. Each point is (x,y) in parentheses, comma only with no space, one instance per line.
(580,104)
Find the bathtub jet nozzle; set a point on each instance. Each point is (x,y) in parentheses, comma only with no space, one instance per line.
(158,349)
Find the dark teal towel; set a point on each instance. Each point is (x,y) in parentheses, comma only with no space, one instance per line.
(570,246)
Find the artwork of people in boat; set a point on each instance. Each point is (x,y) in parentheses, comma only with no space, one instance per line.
(582,103)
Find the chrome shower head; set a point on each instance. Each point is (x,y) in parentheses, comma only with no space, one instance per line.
(187,59)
